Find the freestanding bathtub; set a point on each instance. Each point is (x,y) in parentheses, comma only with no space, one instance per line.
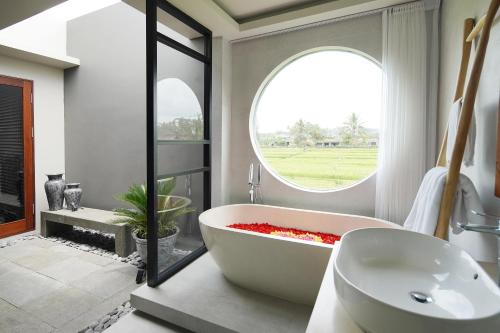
(287,268)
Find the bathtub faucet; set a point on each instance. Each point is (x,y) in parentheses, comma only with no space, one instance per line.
(255,192)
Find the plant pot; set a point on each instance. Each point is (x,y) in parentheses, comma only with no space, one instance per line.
(165,248)
(54,189)
(183,222)
(73,195)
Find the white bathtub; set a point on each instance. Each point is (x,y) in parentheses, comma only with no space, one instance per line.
(287,268)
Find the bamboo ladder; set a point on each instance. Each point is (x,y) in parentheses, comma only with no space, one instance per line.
(447,200)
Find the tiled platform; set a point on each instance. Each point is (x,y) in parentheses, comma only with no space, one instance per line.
(200,299)
(50,287)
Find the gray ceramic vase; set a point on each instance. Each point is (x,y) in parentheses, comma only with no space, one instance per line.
(54,189)
(73,195)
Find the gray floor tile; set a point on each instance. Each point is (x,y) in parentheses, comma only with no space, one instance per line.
(104,283)
(5,306)
(96,259)
(95,313)
(14,320)
(70,269)
(20,285)
(47,286)
(6,266)
(70,251)
(123,268)
(39,242)
(44,258)
(137,321)
(18,250)
(62,306)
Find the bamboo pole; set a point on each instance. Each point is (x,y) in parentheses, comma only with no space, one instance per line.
(459,90)
(477,29)
(452,178)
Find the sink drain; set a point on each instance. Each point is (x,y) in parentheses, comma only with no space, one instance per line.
(420,297)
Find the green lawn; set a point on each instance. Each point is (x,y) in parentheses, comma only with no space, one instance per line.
(322,168)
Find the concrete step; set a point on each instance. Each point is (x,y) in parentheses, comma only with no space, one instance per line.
(200,299)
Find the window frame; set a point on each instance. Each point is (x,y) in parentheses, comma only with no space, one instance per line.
(253,113)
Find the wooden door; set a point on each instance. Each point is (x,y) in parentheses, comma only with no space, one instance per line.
(17,183)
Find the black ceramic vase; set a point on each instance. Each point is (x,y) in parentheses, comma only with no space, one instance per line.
(73,195)
(54,189)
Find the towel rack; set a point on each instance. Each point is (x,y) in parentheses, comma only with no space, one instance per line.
(477,29)
(466,113)
(462,74)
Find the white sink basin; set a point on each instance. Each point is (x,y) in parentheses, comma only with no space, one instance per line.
(392,280)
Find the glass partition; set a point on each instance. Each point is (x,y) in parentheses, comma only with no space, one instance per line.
(178,58)
(180,95)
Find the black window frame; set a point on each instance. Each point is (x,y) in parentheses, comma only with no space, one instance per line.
(153,36)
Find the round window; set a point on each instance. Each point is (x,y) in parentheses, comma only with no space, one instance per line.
(315,120)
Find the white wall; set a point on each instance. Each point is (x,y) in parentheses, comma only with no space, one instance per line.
(482,247)
(39,34)
(45,33)
(253,60)
(48,94)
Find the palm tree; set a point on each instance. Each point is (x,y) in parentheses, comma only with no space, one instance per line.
(353,130)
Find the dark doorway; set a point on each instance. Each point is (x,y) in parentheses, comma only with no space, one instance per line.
(16,156)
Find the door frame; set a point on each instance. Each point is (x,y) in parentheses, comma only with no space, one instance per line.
(28,223)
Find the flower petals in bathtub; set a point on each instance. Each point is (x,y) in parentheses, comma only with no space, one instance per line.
(265,228)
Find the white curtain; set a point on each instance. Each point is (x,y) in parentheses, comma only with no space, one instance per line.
(407,128)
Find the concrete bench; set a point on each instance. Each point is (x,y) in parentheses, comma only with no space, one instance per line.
(63,220)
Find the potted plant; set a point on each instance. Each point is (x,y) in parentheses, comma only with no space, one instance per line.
(170,207)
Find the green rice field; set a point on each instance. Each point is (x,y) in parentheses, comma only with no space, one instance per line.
(322,168)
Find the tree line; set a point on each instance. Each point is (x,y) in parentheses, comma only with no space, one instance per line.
(305,134)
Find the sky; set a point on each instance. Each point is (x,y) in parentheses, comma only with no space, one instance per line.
(323,88)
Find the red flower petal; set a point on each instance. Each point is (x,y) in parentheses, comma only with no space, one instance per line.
(265,228)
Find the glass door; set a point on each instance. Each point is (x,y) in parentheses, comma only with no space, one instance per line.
(178,78)
(16,156)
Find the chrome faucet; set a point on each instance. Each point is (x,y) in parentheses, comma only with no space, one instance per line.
(488,229)
(255,192)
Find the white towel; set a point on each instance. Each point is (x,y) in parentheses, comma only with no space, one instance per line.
(425,211)
(453,121)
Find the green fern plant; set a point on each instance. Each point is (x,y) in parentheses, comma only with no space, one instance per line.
(169,208)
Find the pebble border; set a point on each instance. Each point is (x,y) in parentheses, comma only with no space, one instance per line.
(132,259)
(109,319)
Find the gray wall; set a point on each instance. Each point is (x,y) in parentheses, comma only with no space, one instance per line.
(253,60)
(221,121)
(105,101)
(486,111)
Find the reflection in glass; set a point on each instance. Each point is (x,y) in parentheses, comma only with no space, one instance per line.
(179,112)
(187,202)
(11,154)
(182,114)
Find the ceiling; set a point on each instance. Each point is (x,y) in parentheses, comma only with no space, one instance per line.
(245,10)
(14,11)
(257,17)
